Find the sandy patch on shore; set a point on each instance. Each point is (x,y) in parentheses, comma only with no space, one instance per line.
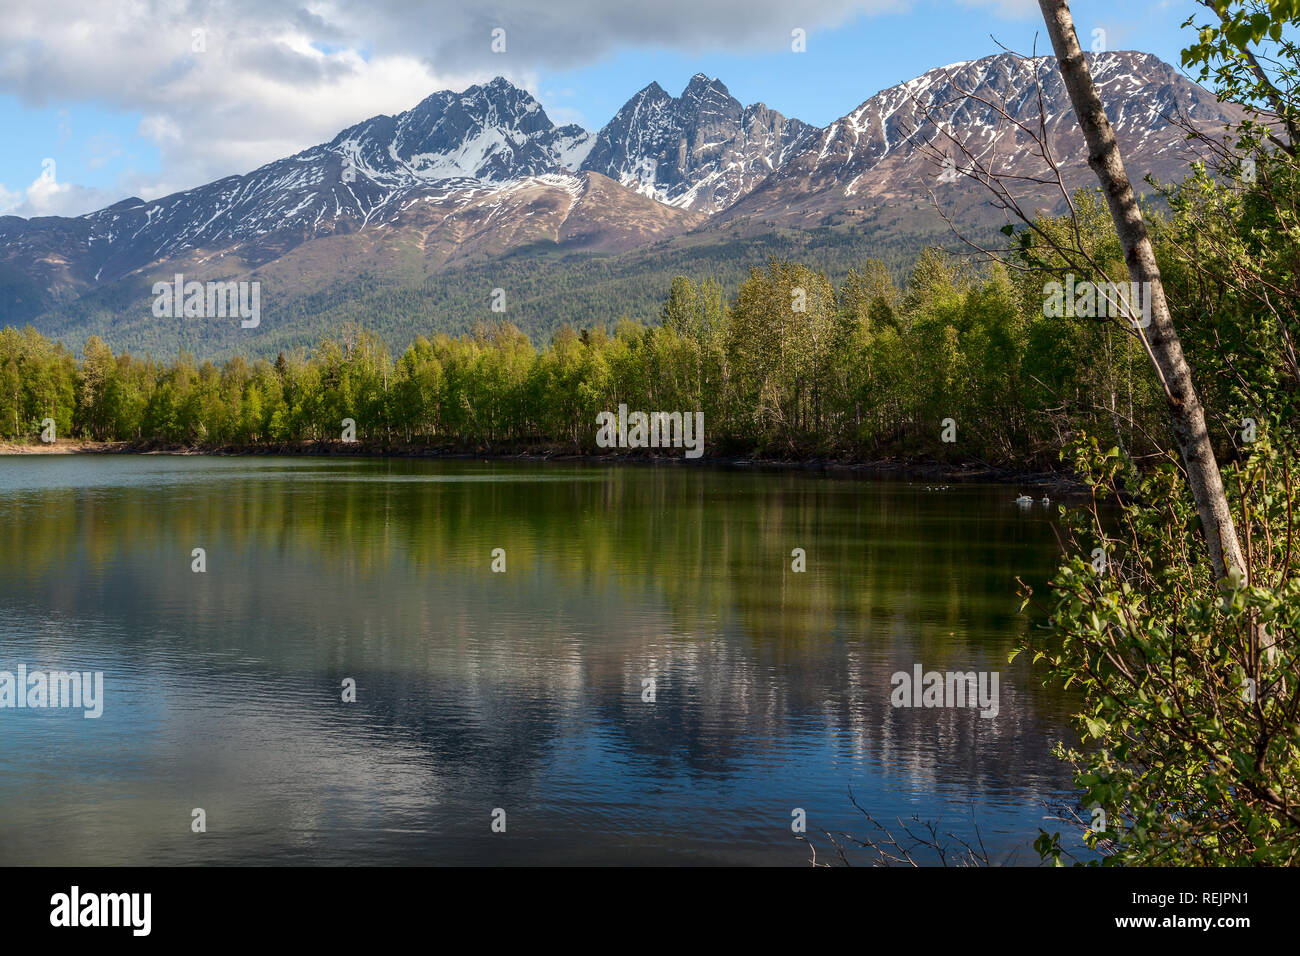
(64,446)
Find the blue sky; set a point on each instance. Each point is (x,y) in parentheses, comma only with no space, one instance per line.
(845,66)
(134,110)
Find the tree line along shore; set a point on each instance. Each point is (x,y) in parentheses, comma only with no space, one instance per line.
(959,366)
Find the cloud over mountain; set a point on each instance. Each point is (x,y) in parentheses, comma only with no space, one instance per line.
(223,86)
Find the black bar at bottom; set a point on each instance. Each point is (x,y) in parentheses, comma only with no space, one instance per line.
(337,905)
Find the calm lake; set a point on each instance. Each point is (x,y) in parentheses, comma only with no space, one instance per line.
(524,690)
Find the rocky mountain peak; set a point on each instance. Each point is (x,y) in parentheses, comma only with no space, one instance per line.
(701,150)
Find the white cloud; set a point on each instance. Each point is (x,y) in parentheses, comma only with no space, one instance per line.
(9,200)
(49,197)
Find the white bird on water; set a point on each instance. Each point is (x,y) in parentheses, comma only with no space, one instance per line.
(1024,500)
(1046,501)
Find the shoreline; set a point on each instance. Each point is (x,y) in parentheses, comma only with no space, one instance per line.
(897,469)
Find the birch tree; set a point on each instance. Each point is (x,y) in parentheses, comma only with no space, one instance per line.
(1186,415)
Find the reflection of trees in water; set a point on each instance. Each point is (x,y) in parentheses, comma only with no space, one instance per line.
(709,542)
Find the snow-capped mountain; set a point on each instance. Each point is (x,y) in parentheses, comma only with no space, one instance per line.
(450,143)
(491,133)
(485,172)
(884,149)
(701,150)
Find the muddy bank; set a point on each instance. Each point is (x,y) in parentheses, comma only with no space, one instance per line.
(64,446)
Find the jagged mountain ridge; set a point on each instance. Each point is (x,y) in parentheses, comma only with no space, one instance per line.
(701,150)
(366,176)
(485,172)
(878,152)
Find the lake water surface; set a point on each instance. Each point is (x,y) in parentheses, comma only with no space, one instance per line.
(520,691)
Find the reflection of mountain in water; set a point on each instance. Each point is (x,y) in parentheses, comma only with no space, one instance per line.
(525,688)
